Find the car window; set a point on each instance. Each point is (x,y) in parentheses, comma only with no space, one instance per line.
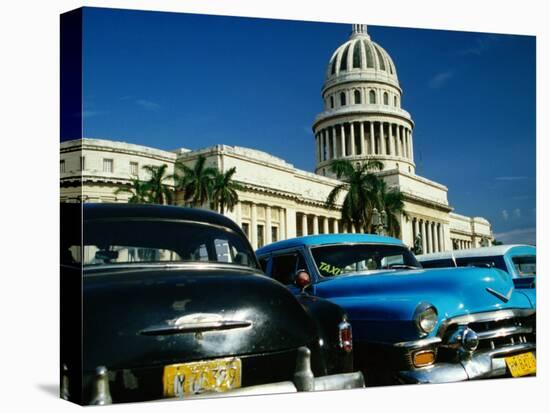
(284,267)
(438,263)
(121,241)
(489,262)
(526,266)
(334,260)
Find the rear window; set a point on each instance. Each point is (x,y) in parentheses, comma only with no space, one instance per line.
(135,241)
(526,266)
(488,262)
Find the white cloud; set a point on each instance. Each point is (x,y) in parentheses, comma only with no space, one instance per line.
(440,79)
(147,104)
(505,215)
(517,212)
(518,236)
(510,178)
(481,45)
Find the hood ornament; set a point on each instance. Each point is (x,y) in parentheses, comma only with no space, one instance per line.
(503,297)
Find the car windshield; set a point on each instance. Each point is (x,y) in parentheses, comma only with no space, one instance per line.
(137,241)
(526,266)
(333,260)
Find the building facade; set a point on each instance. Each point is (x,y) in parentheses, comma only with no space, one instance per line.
(362,119)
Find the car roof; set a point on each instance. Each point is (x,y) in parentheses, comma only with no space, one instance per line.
(496,250)
(106,210)
(325,239)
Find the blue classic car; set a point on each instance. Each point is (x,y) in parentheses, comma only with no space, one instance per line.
(520,261)
(412,325)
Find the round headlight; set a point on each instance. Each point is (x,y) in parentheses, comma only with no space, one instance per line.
(426,318)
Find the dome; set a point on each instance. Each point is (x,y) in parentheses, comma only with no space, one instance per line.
(361,59)
(362,117)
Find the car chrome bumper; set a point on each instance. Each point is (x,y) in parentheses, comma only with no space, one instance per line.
(481,365)
(303,380)
(332,382)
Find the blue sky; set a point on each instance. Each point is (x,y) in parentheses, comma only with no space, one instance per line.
(172,80)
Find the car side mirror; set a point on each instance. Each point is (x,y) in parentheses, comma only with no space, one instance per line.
(302,280)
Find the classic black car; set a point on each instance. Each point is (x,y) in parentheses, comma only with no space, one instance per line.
(174,304)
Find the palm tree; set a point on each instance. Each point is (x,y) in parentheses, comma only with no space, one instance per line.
(139,191)
(361,185)
(196,182)
(393,202)
(224,190)
(159,191)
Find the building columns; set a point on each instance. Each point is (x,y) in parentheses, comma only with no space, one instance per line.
(282,223)
(398,140)
(382,139)
(325,225)
(362,137)
(268,239)
(428,238)
(253,226)
(315,223)
(343,140)
(317,146)
(352,138)
(391,139)
(371,138)
(411,152)
(304,225)
(423,234)
(434,237)
(335,226)
(323,146)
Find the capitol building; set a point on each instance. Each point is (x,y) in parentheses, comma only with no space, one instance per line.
(361,119)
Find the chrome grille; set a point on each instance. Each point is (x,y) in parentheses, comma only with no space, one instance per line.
(498,330)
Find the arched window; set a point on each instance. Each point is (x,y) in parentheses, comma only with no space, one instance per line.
(372,97)
(332,102)
(357,97)
(386,102)
(395,101)
(342,99)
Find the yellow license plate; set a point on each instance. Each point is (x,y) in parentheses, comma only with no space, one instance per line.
(218,375)
(522,364)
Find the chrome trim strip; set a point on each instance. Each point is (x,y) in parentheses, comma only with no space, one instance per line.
(509,349)
(198,327)
(92,269)
(503,297)
(503,332)
(333,382)
(487,316)
(418,343)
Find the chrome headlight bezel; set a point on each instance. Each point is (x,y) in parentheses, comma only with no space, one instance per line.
(425,318)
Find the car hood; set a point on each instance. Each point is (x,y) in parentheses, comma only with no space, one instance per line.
(148,316)
(382,305)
